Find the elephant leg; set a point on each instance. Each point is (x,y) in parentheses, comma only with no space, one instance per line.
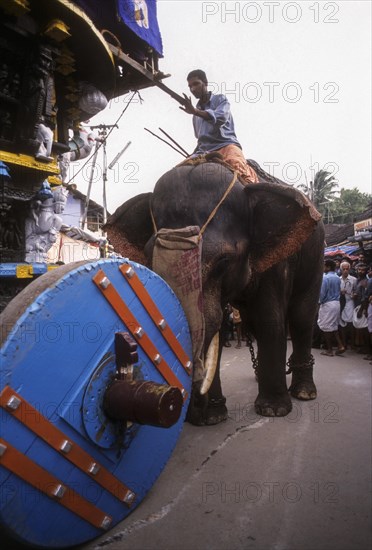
(197,410)
(216,409)
(301,323)
(273,398)
(209,409)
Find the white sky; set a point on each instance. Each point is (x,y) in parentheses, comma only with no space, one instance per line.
(297,75)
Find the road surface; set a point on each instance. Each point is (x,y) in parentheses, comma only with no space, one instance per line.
(296,483)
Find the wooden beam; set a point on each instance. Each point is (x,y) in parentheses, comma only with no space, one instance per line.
(149,76)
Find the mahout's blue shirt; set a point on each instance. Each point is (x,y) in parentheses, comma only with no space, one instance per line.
(219,130)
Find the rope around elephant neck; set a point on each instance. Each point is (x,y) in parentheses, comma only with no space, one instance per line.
(214,211)
(211,215)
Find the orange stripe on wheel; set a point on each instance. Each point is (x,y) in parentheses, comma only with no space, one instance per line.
(30,417)
(134,327)
(138,288)
(33,474)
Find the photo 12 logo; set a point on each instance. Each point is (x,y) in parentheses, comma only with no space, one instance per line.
(327,413)
(270,92)
(120,173)
(51,332)
(255,12)
(289,492)
(293,173)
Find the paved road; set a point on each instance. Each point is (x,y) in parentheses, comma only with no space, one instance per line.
(295,483)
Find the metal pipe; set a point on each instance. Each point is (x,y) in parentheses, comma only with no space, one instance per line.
(104,182)
(113,162)
(86,206)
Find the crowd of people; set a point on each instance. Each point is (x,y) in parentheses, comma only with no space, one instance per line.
(345,311)
(345,307)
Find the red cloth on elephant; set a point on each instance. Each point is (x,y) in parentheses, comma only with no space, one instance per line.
(177,259)
(233,156)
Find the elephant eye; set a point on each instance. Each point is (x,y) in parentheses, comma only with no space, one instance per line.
(220,266)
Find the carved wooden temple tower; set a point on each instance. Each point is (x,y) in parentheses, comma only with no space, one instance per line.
(60,63)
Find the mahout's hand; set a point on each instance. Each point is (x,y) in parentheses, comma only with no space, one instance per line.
(187,106)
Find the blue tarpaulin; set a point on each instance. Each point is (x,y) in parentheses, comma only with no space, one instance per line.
(339,250)
(117,16)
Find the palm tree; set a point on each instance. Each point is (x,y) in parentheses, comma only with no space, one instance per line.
(321,191)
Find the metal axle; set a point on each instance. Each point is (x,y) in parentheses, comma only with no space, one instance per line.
(143,402)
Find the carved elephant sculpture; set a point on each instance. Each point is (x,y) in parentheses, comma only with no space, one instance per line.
(262,252)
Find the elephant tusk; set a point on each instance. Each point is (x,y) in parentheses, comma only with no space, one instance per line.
(210,364)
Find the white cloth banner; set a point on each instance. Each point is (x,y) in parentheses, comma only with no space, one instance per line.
(69,250)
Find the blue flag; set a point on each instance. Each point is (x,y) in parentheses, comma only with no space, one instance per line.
(119,15)
(140,16)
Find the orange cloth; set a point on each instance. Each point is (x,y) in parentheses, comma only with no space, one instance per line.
(233,156)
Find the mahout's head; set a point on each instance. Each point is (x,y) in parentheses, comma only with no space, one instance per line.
(198,83)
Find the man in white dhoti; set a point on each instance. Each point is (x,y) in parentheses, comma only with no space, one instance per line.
(329,309)
(348,288)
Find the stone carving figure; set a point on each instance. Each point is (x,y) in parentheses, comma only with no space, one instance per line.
(35,92)
(44,136)
(44,222)
(81,145)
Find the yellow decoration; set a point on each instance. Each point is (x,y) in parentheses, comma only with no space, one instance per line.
(65,59)
(57,30)
(65,69)
(24,271)
(29,162)
(15,7)
(54,180)
(72,88)
(72,98)
(73,112)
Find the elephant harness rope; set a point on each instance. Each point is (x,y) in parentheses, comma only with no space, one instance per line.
(211,215)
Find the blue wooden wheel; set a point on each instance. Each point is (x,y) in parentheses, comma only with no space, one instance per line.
(57,359)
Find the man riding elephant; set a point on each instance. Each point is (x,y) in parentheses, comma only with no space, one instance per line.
(214,126)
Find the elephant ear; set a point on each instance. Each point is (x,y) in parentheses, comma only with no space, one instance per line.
(130,227)
(281,219)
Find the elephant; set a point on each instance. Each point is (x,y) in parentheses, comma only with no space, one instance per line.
(262,252)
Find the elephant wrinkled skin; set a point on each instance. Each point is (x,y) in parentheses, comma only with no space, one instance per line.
(262,252)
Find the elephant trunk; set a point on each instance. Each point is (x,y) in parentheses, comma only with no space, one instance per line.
(177,257)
